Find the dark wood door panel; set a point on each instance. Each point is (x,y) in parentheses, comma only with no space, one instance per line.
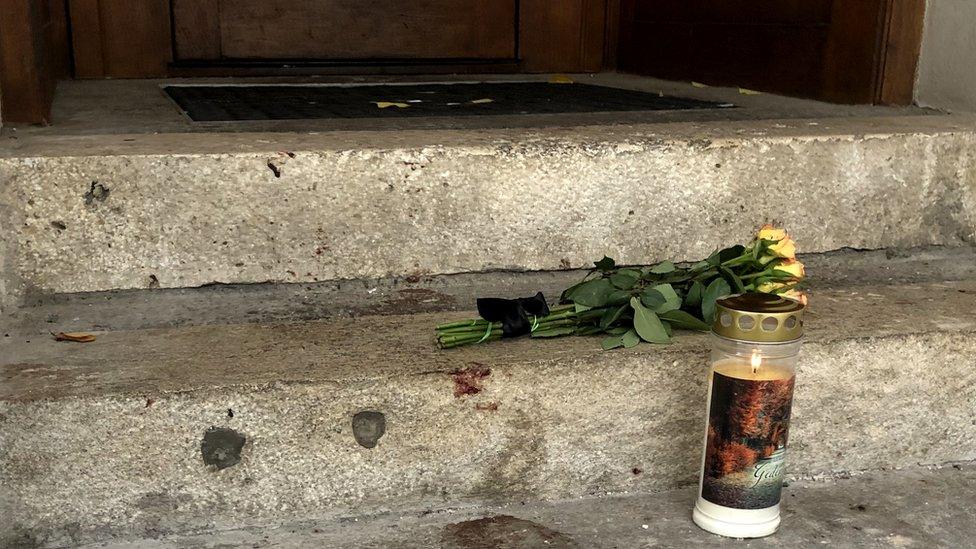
(345,29)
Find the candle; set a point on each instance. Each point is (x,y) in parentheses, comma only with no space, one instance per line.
(750,396)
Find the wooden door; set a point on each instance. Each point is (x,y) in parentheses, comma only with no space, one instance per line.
(850,51)
(213,30)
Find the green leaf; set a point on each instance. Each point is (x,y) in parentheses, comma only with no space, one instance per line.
(605,264)
(580,308)
(694,297)
(618,330)
(671,299)
(555,332)
(685,321)
(618,297)
(700,265)
(612,342)
(612,315)
(663,267)
(667,327)
(652,298)
(624,279)
(717,289)
(732,279)
(630,339)
(647,324)
(593,293)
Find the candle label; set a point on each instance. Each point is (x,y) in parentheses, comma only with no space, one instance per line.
(748,422)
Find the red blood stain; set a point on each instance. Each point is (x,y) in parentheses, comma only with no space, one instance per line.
(468,381)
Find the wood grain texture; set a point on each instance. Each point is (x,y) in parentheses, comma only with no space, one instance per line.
(33,56)
(196,29)
(902,44)
(563,35)
(366,29)
(121,38)
(853,52)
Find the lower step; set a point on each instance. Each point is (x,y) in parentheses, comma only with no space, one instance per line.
(105,438)
(868,510)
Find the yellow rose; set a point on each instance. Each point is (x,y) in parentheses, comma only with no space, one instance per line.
(796,295)
(793,267)
(785,248)
(768,232)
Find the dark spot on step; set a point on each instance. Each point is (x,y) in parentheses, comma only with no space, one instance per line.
(503,531)
(221,447)
(150,402)
(153,281)
(96,193)
(274,169)
(486,406)
(230,412)
(368,426)
(469,381)
(59,225)
(859,507)
(637,470)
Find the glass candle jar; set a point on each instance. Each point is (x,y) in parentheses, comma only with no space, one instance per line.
(756,338)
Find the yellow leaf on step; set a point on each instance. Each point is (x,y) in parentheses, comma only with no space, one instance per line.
(698,85)
(745,91)
(481,101)
(388,104)
(560,79)
(77,337)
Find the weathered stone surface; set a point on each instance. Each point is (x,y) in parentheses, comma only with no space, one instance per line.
(885,381)
(348,206)
(920,507)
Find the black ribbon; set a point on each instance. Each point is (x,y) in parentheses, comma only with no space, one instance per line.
(513,313)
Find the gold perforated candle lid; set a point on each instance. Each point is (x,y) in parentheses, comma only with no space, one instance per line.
(763,318)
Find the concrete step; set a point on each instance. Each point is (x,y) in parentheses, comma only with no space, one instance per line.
(908,508)
(105,439)
(102,212)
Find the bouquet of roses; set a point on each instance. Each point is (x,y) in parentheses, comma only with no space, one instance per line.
(631,305)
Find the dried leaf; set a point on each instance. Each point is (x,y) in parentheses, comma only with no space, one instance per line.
(560,79)
(699,85)
(388,104)
(481,101)
(77,337)
(745,91)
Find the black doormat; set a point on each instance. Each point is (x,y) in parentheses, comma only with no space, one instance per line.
(276,102)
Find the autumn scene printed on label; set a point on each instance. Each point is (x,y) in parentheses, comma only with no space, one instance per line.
(748,424)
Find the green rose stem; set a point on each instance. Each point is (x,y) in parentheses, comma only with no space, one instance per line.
(631,304)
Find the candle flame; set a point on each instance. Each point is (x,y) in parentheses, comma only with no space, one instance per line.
(756,360)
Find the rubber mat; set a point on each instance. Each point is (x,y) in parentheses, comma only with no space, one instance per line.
(296,102)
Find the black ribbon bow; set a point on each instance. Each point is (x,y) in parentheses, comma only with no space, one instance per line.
(513,313)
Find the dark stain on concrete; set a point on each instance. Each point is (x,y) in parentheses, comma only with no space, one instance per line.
(413,300)
(96,193)
(503,532)
(470,381)
(221,447)
(368,426)
(486,406)
(59,225)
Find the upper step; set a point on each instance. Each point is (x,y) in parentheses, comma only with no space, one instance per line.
(107,438)
(93,213)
